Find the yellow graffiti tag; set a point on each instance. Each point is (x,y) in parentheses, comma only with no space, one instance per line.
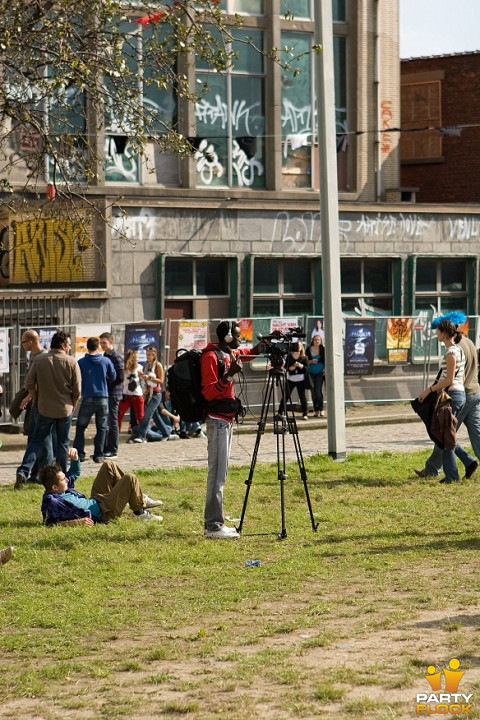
(44,251)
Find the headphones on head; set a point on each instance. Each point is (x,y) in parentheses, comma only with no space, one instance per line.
(229,336)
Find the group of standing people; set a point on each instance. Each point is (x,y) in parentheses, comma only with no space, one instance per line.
(108,386)
(306,371)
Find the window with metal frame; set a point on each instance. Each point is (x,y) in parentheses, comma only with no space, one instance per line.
(441,285)
(230,117)
(282,287)
(198,277)
(367,286)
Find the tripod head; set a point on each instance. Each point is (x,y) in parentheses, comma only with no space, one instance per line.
(279,344)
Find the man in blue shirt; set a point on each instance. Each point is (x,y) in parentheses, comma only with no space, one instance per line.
(96,371)
(115,391)
(111,491)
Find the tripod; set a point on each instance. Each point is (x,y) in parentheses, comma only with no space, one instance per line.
(282,424)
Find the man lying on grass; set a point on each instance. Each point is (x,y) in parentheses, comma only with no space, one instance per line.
(112,489)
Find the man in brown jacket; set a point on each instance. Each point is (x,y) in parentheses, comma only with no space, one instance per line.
(54,381)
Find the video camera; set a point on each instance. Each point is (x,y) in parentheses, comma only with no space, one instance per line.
(278,344)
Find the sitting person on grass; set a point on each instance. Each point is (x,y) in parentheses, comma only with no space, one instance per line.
(112,489)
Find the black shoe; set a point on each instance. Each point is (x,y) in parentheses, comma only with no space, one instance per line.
(110,456)
(184,436)
(82,457)
(446,481)
(20,481)
(471,469)
(97,459)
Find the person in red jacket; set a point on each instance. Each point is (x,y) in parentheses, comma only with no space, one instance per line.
(219,363)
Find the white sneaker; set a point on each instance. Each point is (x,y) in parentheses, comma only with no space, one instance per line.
(305,417)
(322,413)
(138,440)
(174,436)
(146,515)
(149,502)
(223,533)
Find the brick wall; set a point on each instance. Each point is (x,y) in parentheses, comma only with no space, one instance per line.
(457,178)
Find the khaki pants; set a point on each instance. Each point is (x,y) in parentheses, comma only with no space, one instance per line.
(114,489)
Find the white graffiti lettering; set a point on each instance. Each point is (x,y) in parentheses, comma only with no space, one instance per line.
(208,165)
(244,167)
(464,228)
(405,226)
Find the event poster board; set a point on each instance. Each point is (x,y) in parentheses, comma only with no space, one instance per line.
(283,324)
(398,340)
(193,334)
(83,332)
(359,346)
(246,332)
(45,335)
(4,360)
(139,337)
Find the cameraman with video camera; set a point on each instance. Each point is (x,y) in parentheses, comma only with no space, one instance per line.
(219,363)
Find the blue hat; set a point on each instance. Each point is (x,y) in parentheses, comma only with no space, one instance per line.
(455,317)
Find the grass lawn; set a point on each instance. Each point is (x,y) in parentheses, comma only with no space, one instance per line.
(140,620)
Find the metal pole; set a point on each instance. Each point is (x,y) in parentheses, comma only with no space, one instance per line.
(327,157)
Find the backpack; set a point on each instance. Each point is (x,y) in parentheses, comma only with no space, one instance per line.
(184,379)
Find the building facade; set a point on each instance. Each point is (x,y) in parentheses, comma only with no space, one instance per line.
(440,93)
(233,229)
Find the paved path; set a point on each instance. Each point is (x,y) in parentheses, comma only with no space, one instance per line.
(367,430)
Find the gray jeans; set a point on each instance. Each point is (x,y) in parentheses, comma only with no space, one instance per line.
(219,434)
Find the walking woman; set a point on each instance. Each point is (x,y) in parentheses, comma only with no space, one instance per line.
(296,365)
(153,377)
(450,378)
(132,388)
(316,369)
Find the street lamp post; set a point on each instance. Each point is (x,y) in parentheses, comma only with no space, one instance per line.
(327,157)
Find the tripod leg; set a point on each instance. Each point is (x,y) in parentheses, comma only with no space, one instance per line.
(281,464)
(293,429)
(260,432)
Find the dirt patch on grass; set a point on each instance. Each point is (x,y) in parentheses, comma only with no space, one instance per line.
(298,662)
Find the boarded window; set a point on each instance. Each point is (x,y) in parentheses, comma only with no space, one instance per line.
(421,108)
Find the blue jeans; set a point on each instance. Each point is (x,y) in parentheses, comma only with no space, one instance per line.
(48,449)
(449,461)
(97,406)
(151,407)
(111,441)
(219,434)
(162,424)
(470,415)
(43,428)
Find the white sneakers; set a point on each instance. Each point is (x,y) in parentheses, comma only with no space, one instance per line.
(149,502)
(146,515)
(223,533)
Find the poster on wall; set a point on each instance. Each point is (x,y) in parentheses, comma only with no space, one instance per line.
(398,340)
(283,324)
(315,327)
(45,335)
(139,337)
(4,360)
(359,346)
(192,334)
(246,332)
(83,332)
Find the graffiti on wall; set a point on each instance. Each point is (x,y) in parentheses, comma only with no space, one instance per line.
(50,250)
(246,120)
(386,114)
